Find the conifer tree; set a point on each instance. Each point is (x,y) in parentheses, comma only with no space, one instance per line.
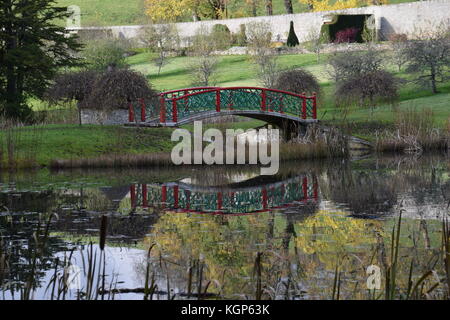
(32,49)
(292,40)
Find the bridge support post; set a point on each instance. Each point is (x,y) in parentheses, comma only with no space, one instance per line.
(162,110)
(144,196)
(263,100)
(130,112)
(142,110)
(218,100)
(133,195)
(304,106)
(174,111)
(175,197)
(305,188)
(314,105)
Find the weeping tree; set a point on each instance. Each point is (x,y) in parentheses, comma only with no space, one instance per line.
(72,86)
(116,88)
(109,90)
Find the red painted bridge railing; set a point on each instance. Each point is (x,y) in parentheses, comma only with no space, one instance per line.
(178,104)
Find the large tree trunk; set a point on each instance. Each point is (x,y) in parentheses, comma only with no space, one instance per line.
(12,94)
(433,81)
(288,6)
(269,7)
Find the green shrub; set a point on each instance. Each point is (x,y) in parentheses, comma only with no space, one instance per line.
(102,53)
(221,35)
(240,38)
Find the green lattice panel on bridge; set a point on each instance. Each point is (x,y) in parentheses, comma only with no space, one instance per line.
(280,102)
(240,99)
(196,104)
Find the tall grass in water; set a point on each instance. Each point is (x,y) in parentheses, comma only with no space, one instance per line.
(18,145)
(446,252)
(415,132)
(316,143)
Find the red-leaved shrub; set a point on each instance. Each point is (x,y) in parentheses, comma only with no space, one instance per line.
(346,35)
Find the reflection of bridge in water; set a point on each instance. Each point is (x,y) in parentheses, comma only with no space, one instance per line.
(238,198)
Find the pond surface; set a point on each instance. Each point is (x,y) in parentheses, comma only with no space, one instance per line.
(310,232)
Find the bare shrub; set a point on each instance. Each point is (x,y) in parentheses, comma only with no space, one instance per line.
(429,57)
(315,41)
(398,57)
(368,89)
(263,56)
(161,39)
(350,64)
(298,81)
(203,64)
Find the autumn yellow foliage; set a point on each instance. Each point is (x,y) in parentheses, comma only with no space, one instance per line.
(167,10)
(328,5)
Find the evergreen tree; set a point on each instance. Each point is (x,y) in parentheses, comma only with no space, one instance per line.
(292,40)
(32,49)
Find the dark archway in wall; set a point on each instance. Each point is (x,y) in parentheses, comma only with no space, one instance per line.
(346,21)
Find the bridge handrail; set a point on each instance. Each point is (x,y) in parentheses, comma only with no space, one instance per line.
(215,89)
(165,93)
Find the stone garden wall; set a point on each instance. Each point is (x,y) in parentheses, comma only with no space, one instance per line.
(399,18)
(112,117)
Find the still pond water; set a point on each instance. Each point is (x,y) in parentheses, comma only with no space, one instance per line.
(227,234)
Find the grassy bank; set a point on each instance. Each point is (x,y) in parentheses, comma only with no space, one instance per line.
(39,145)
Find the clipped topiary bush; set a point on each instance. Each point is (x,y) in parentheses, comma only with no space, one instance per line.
(292,40)
(297,81)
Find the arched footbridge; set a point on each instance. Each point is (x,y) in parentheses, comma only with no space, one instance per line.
(238,199)
(184,106)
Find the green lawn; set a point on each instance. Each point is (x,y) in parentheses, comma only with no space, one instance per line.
(239,71)
(132,12)
(45,143)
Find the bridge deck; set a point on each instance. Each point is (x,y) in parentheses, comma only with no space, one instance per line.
(271,117)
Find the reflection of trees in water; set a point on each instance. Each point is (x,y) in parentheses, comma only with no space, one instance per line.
(375,188)
(299,253)
(365,193)
(224,245)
